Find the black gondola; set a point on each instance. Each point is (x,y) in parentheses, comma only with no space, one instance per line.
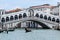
(27,30)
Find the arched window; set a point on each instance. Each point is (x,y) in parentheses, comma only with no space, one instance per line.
(24,15)
(53,19)
(57,20)
(45,17)
(11,18)
(20,16)
(16,17)
(49,18)
(31,12)
(41,16)
(37,15)
(3,20)
(7,19)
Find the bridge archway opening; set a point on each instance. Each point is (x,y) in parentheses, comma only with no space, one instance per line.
(3,20)
(31,12)
(24,15)
(53,19)
(45,17)
(16,17)
(57,20)
(11,18)
(41,15)
(20,16)
(7,19)
(19,25)
(49,18)
(37,15)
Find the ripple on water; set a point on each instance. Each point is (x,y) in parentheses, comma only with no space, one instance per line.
(41,34)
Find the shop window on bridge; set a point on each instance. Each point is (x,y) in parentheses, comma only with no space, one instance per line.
(3,20)
(45,17)
(11,18)
(37,15)
(41,16)
(57,20)
(16,17)
(7,19)
(49,18)
(53,19)
(24,15)
(20,16)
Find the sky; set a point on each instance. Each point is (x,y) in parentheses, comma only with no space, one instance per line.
(12,4)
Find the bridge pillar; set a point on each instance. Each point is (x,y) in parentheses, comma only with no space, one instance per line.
(11,25)
(30,23)
(6,27)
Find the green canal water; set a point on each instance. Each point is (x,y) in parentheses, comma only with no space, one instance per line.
(39,34)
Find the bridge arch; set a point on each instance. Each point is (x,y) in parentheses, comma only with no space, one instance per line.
(37,15)
(3,20)
(37,21)
(57,20)
(53,19)
(49,18)
(7,19)
(16,17)
(24,15)
(11,17)
(20,16)
(41,15)
(31,12)
(44,26)
(45,17)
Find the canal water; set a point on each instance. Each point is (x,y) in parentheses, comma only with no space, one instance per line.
(39,34)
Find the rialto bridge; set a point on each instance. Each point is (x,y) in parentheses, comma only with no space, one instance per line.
(12,19)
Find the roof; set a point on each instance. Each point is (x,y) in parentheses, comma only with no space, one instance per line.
(43,6)
(14,10)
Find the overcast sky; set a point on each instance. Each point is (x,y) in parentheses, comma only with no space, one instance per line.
(12,4)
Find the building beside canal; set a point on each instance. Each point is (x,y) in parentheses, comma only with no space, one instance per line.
(35,11)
